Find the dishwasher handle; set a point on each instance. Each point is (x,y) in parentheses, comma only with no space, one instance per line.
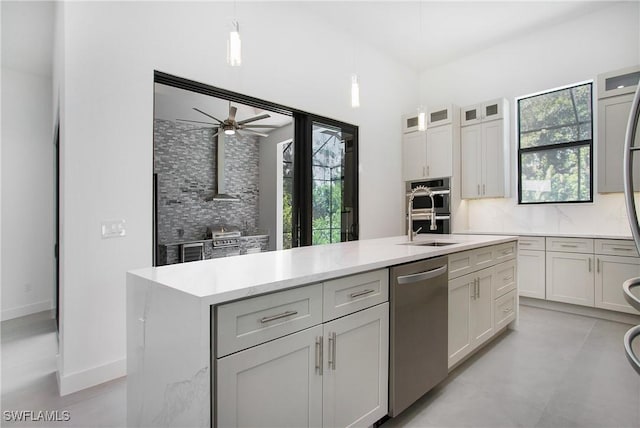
(422,276)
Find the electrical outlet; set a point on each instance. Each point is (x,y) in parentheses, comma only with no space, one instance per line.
(113,229)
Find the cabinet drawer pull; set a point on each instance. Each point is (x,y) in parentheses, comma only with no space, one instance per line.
(278,316)
(526,243)
(506,311)
(361,293)
(506,252)
(331,363)
(569,245)
(507,278)
(621,249)
(319,354)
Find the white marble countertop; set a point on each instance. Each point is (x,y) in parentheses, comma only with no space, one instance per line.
(559,235)
(230,278)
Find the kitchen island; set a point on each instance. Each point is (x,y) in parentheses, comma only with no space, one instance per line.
(171,313)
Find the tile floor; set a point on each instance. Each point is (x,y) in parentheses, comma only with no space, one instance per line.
(554,370)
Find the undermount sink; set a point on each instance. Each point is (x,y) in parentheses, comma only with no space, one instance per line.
(429,243)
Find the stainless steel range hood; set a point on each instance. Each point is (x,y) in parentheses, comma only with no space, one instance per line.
(220,194)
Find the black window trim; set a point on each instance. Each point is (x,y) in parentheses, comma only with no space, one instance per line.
(570,144)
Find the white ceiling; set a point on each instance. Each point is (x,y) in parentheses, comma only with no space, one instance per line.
(425,34)
(450,29)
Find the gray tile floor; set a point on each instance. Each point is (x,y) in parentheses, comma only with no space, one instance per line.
(554,370)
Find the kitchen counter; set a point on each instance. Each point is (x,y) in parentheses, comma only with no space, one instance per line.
(220,280)
(171,322)
(559,235)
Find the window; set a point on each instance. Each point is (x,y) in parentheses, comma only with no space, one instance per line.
(555,143)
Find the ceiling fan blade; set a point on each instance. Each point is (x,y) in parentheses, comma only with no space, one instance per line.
(232,113)
(251,131)
(196,121)
(208,115)
(200,129)
(258,126)
(253,119)
(217,133)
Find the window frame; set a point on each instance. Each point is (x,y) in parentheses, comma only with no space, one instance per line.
(565,145)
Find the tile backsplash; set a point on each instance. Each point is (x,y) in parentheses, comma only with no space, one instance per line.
(185,164)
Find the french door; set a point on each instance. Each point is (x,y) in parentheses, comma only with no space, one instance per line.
(325,185)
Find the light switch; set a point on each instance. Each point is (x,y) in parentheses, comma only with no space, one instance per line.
(113,229)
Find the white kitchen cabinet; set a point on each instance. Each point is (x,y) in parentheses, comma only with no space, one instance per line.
(531,273)
(611,272)
(440,151)
(414,156)
(613,115)
(484,152)
(570,277)
(355,374)
(273,384)
(470,313)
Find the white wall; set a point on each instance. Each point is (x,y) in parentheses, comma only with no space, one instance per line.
(268,199)
(111,50)
(27,194)
(574,51)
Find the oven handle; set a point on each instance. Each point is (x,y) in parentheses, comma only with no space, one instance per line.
(422,276)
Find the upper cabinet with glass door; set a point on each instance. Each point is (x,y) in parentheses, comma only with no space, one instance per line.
(489,110)
(618,82)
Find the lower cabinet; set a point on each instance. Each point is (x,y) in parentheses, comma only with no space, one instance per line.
(333,374)
(570,278)
(273,384)
(531,270)
(611,272)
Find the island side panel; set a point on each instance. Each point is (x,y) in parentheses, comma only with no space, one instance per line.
(168,357)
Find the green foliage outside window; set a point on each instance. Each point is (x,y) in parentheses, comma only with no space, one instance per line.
(555,144)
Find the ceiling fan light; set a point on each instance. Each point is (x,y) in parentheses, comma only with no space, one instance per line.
(355,91)
(229,130)
(234,46)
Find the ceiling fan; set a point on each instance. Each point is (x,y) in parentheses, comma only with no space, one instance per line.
(230,125)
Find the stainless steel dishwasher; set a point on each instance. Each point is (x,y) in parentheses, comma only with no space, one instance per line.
(419,335)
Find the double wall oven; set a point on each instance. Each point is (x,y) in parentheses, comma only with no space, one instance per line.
(422,205)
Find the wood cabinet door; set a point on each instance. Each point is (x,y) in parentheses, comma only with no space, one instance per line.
(440,151)
(470,149)
(274,384)
(414,156)
(570,278)
(460,291)
(611,272)
(492,159)
(356,368)
(531,273)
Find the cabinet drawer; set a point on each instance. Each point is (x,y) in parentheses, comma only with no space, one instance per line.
(531,243)
(505,309)
(343,296)
(249,322)
(570,245)
(505,278)
(461,263)
(616,247)
(504,252)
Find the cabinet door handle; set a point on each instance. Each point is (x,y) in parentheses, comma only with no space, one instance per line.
(484,188)
(319,340)
(507,278)
(278,316)
(428,170)
(424,172)
(478,287)
(331,363)
(361,293)
(598,264)
(478,189)
(589,264)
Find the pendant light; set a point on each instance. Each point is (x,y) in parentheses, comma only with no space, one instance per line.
(355,91)
(234,46)
(422,115)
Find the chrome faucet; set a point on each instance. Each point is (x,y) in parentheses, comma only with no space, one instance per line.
(420,191)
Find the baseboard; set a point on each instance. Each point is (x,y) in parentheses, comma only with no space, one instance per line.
(73,382)
(581,310)
(32,308)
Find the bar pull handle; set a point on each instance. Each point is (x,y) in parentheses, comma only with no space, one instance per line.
(428,170)
(417,277)
(278,316)
(622,249)
(362,293)
(525,243)
(598,265)
(569,245)
(589,264)
(319,340)
(484,188)
(331,362)
(478,279)
(478,189)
